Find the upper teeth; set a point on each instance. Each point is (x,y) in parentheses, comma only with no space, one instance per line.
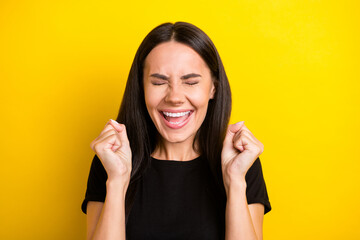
(179,114)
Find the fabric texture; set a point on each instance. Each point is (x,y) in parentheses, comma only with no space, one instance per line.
(177,199)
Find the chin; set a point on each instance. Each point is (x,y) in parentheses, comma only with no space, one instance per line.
(175,138)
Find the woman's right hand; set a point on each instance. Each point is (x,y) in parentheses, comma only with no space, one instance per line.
(113,148)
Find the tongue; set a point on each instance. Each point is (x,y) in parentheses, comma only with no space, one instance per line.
(177,119)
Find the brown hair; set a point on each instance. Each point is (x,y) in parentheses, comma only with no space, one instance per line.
(134,115)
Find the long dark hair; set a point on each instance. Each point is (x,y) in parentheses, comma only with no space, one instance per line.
(134,115)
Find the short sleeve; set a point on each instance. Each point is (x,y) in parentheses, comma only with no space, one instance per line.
(256,191)
(96,184)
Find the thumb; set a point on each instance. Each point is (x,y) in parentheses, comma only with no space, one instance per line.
(123,135)
(121,132)
(116,125)
(231,130)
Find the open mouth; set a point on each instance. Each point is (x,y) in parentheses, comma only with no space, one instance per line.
(176,120)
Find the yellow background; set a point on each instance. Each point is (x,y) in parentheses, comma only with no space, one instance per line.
(294,71)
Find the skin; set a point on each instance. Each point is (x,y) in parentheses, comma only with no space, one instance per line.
(174,60)
(240,148)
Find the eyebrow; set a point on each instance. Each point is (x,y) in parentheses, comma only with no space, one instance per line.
(190,75)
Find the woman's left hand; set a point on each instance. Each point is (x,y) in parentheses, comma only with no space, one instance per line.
(240,150)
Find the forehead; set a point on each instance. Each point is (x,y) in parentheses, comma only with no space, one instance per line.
(174,57)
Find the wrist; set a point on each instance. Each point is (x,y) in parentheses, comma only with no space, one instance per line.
(117,185)
(236,185)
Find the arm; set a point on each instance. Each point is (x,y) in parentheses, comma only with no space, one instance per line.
(113,148)
(107,220)
(240,150)
(93,210)
(243,221)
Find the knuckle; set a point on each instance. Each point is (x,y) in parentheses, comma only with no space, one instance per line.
(92,144)
(96,146)
(258,149)
(261,146)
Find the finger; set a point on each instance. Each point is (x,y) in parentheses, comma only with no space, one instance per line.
(104,143)
(254,139)
(121,132)
(116,125)
(242,142)
(106,128)
(247,132)
(230,133)
(123,135)
(104,134)
(110,124)
(110,142)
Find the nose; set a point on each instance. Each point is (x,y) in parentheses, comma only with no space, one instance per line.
(175,95)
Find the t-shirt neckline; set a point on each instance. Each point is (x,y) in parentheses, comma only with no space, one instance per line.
(192,162)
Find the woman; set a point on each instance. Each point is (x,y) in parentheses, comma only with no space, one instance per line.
(170,167)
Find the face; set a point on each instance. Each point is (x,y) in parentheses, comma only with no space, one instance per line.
(177,87)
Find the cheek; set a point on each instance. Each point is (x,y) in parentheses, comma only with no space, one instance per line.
(152,99)
(200,100)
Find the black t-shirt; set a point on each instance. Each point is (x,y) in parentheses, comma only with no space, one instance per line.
(177,199)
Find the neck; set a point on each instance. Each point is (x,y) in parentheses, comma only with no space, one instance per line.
(179,151)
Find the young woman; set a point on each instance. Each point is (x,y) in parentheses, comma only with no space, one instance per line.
(171,167)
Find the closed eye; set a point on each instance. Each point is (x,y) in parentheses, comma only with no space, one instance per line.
(158,82)
(192,83)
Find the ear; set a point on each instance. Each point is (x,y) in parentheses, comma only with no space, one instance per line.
(212,92)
